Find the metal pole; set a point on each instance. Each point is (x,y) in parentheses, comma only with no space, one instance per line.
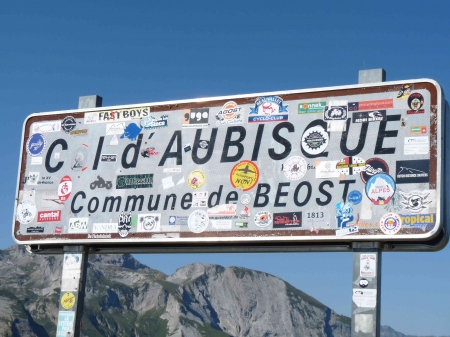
(366,281)
(73,280)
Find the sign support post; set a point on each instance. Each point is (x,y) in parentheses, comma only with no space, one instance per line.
(366,281)
(73,280)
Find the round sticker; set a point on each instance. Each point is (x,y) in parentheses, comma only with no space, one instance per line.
(245,199)
(229,110)
(198,221)
(315,140)
(380,188)
(355,197)
(363,283)
(65,188)
(68,300)
(196,179)
(374,166)
(244,175)
(390,223)
(36,144)
(351,165)
(415,101)
(263,219)
(68,124)
(294,168)
(26,211)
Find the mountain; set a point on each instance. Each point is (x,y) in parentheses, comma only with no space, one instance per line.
(127,298)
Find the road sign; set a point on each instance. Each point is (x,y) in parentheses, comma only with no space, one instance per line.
(323,166)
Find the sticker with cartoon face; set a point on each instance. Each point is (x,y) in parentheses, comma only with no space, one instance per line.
(124,224)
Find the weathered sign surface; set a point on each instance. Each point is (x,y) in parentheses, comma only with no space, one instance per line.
(355,163)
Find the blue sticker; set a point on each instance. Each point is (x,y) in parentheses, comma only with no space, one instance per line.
(36,144)
(131,131)
(380,188)
(355,197)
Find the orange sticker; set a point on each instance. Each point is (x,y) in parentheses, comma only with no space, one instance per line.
(244,175)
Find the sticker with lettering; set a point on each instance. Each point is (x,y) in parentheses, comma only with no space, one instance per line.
(416,145)
(49,216)
(415,103)
(374,166)
(78,225)
(121,115)
(26,211)
(287,220)
(67,300)
(268,109)
(315,140)
(336,111)
(380,188)
(351,165)
(244,175)
(151,123)
(134,181)
(312,107)
(294,168)
(149,222)
(418,130)
(68,124)
(64,188)
(115,128)
(390,223)
(36,144)
(106,227)
(412,171)
(416,201)
(369,116)
(229,114)
(196,118)
(420,221)
(45,127)
(263,219)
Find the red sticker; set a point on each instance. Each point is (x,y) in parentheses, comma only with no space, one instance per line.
(64,188)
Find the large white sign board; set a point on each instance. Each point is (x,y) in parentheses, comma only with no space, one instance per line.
(342,164)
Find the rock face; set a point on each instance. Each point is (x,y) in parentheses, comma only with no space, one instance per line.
(127,298)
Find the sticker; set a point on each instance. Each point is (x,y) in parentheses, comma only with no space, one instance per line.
(148,152)
(115,116)
(315,140)
(187,148)
(403,122)
(351,165)
(196,179)
(246,199)
(81,158)
(115,129)
(225,209)
(262,219)
(200,199)
(365,298)
(415,103)
(268,109)
(369,116)
(58,230)
(245,213)
(45,127)
(368,265)
(167,182)
(150,122)
(221,224)
(124,224)
(36,144)
(244,175)
(36,160)
(416,145)
(35,230)
(347,230)
(370,105)
(49,216)
(418,130)
(229,114)
(336,111)
(196,118)
(134,181)
(390,223)
(404,92)
(114,141)
(294,168)
(354,197)
(287,220)
(68,124)
(241,224)
(76,133)
(312,107)
(327,169)
(416,201)
(172,170)
(178,220)
(203,144)
(131,131)
(149,222)
(316,218)
(198,221)
(26,211)
(64,188)
(107,227)
(32,178)
(363,283)
(78,225)
(343,214)
(421,221)
(108,158)
(412,171)
(374,166)
(380,188)
(68,300)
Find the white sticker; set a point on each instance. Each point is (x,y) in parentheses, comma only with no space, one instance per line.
(149,222)
(416,145)
(78,225)
(368,265)
(106,227)
(365,298)
(36,160)
(327,169)
(167,182)
(45,127)
(198,221)
(364,323)
(115,128)
(221,224)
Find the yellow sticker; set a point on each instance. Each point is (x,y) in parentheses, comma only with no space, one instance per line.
(68,300)
(244,175)
(196,179)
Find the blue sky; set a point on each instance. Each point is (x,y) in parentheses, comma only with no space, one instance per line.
(52,52)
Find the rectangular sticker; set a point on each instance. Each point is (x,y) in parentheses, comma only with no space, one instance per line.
(412,171)
(368,265)
(45,127)
(134,181)
(121,115)
(369,116)
(78,225)
(416,145)
(106,227)
(312,107)
(365,298)
(49,216)
(287,220)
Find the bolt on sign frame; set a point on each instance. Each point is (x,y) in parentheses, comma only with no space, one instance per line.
(300,170)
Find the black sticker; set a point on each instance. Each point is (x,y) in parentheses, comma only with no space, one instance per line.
(287,220)
(68,124)
(374,166)
(412,171)
(369,116)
